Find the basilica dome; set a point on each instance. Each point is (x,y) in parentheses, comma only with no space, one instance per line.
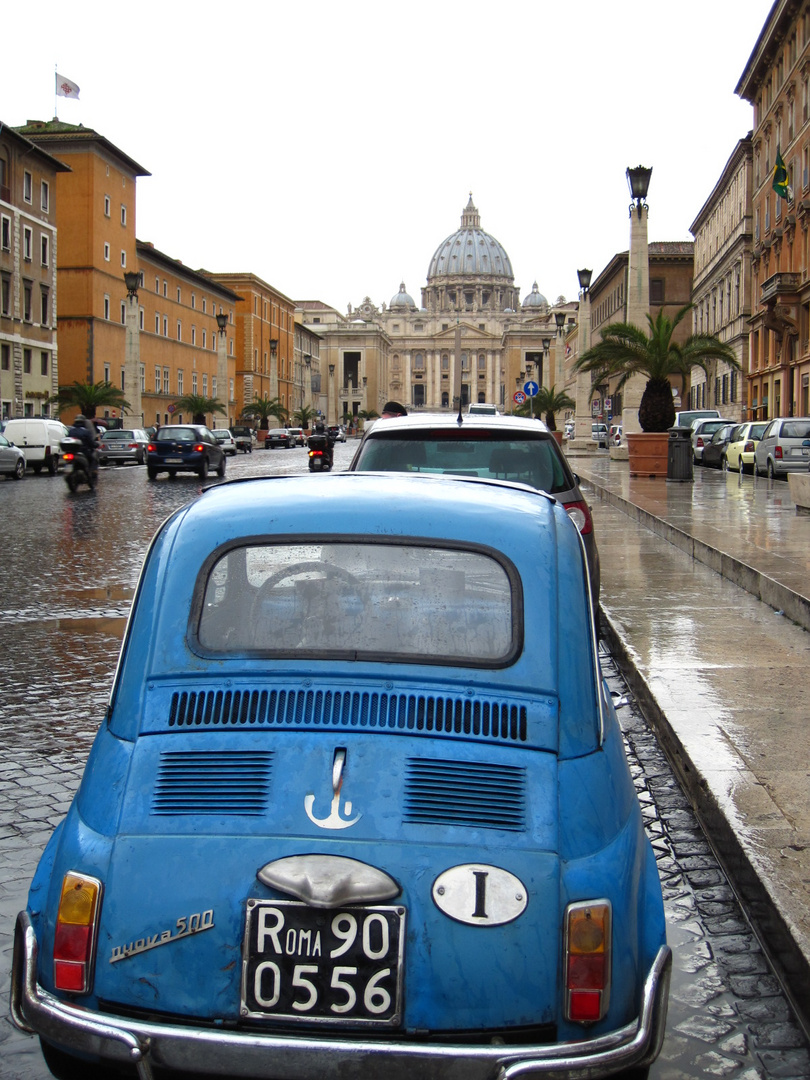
(535,300)
(471,252)
(403,300)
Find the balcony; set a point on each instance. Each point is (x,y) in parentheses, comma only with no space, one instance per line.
(778,285)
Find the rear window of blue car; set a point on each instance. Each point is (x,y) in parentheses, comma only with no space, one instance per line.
(405,601)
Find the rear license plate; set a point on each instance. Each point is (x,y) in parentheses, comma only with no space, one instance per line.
(800,451)
(341,966)
(173,460)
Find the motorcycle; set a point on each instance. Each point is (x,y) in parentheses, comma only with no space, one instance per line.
(79,468)
(319,450)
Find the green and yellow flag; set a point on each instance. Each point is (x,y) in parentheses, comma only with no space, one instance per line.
(780,178)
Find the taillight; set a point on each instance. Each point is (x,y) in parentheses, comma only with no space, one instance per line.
(198,449)
(68,457)
(749,448)
(151,447)
(316,453)
(587,960)
(580,514)
(777,451)
(75,938)
(700,441)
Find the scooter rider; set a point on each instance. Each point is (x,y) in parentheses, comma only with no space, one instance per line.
(85,431)
(323,443)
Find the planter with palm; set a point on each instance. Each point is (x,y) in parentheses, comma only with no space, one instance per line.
(262,409)
(89,397)
(367,414)
(304,417)
(626,350)
(199,406)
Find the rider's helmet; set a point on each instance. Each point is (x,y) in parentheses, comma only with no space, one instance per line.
(319,427)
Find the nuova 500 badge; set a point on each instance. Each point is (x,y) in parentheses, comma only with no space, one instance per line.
(480,895)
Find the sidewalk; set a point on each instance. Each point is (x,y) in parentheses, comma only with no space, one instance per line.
(723,676)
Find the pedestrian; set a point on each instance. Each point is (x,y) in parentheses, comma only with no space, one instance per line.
(393,408)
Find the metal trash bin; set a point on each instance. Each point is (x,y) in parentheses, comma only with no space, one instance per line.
(679,455)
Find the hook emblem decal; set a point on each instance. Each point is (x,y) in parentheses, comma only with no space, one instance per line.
(334,819)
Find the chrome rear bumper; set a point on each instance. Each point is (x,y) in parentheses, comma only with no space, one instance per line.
(231,1053)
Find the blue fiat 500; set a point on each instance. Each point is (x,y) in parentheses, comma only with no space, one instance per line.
(358,807)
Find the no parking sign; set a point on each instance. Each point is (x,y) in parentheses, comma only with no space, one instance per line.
(519,397)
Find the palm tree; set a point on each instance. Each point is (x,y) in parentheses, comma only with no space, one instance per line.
(264,408)
(89,397)
(198,406)
(304,416)
(625,350)
(549,401)
(367,414)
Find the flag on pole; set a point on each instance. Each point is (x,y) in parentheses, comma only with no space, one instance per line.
(66,88)
(780,178)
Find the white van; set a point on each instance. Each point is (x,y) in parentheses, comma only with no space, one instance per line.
(40,439)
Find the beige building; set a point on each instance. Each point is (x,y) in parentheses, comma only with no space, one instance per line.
(721,289)
(776,81)
(29,370)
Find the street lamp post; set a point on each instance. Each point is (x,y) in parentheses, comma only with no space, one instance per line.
(559,349)
(223,390)
(638,285)
(132,349)
(584,388)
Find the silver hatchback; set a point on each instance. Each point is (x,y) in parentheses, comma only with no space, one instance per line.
(784,447)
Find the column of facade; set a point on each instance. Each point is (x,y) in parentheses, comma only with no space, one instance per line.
(407,377)
(583,416)
(132,359)
(638,307)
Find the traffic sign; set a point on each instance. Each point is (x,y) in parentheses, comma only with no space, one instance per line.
(519,397)
(531,388)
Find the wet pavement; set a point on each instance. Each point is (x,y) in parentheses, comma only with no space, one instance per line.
(65,589)
(721,675)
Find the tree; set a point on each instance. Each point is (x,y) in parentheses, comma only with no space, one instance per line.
(263,408)
(367,414)
(88,397)
(198,406)
(548,401)
(626,350)
(304,416)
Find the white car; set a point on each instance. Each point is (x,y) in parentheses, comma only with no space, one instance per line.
(225,440)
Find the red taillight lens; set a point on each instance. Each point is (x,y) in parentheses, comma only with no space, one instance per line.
(587,960)
(580,514)
(198,448)
(316,453)
(777,451)
(75,935)
(700,441)
(749,448)
(151,447)
(67,457)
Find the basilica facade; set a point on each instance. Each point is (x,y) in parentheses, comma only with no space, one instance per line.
(470,339)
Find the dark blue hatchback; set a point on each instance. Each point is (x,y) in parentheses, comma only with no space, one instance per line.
(184,448)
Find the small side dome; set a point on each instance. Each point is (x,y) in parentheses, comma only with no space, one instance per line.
(535,299)
(403,300)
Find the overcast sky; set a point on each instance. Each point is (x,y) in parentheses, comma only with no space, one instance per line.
(331,147)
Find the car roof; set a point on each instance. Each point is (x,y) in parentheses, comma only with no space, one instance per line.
(415,421)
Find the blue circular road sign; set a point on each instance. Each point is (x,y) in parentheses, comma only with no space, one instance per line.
(531,389)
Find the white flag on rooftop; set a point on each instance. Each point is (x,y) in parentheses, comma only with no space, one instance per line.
(65,87)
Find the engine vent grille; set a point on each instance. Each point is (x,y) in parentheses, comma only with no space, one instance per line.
(212,782)
(498,721)
(465,793)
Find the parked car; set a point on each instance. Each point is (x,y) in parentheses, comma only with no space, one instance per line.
(358,806)
(482,408)
(492,447)
(714,452)
(243,437)
(40,440)
(783,448)
(225,440)
(297,435)
(569,429)
(702,432)
(12,459)
(688,417)
(744,439)
(599,434)
(616,434)
(184,448)
(278,439)
(337,433)
(119,445)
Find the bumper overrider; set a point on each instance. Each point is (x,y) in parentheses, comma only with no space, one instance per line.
(215,1051)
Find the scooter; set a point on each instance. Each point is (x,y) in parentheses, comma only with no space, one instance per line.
(320,453)
(78,466)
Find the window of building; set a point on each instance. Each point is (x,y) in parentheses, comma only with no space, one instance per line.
(123,313)
(203,339)
(193,300)
(213,386)
(180,383)
(45,249)
(123,258)
(157,379)
(43,362)
(106,253)
(28,243)
(5,294)
(106,373)
(44,297)
(194,335)
(205,385)
(157,324)
(179,330)
(656,290)
(194,382)
(123,214)
(123,379)
(45,196)
(28,186)
(5,357)
(106,206)
(26,361)
(204,305)
(5,233)
(165,288)
(27,290)
(157,285)
(165,325)
(482,362)
(465,362)
(419,362)
(140,318)
(165,380)
(106,306)
(142,374)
